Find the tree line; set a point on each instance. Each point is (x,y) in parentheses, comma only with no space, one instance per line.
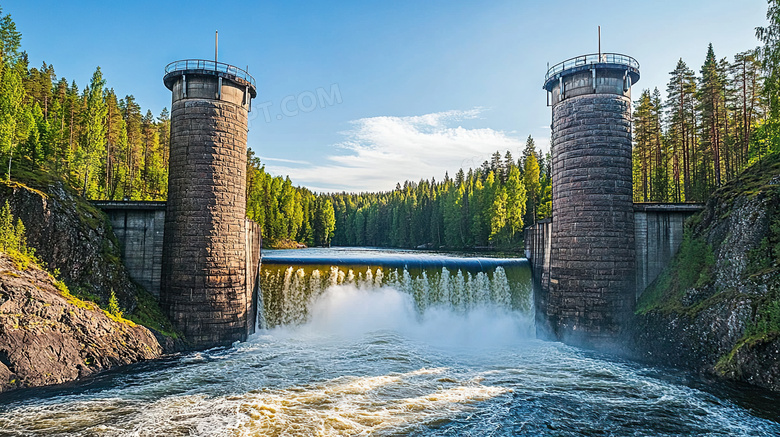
(287,214)
(483,207)
(487,206)
(107,146)
(710,125)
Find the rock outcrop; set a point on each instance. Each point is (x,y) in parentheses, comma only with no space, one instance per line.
(49,337)
(716,308)
(71,237)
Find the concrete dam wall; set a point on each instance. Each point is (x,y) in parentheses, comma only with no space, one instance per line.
(140,228)
(658,232)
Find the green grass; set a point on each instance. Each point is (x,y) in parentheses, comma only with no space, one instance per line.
(691,267)
(149,314)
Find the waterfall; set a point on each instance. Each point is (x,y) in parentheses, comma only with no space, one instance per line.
(288,292)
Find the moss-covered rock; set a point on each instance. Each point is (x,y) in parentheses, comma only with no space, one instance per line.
(716,308)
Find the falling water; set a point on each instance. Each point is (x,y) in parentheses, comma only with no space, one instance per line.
(290,291)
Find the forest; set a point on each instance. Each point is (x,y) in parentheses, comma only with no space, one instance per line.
(106,146)
(705,129)
(708,128)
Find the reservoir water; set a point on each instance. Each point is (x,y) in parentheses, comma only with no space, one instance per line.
(377,342)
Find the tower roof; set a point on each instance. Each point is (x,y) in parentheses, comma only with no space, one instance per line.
(209,68)
(606,61)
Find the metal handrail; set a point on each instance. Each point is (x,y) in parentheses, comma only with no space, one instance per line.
(592,58)
(203,64)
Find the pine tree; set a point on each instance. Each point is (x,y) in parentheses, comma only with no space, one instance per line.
(682,134)
(324,221)
(10,40)
(95,130)
(532,182)
(712,108)
(531,179)
(770,57)
(15,118)
(516,201)
(498,215)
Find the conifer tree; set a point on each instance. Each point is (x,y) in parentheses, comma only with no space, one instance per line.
(15,118)
(531,179)
(516,201)
(95,130)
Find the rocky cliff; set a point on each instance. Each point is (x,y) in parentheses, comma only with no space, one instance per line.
(716,308)
(71,237)
(47,336)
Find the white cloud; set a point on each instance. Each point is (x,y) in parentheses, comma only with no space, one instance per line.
(381,151)
(288,161)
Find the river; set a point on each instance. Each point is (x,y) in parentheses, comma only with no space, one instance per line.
(378,342)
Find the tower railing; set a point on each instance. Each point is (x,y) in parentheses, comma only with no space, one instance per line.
(593,58)
(203,64)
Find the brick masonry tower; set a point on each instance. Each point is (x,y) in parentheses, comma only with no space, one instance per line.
(592,285)
(205,270)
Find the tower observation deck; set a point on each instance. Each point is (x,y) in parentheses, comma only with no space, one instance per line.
(595,73)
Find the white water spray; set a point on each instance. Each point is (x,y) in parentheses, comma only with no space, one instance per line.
(291,294)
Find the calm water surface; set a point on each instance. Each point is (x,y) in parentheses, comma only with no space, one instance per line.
(370,342)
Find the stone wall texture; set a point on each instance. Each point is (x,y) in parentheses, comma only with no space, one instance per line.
(592,261)
(204,276)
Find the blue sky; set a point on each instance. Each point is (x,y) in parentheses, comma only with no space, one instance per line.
(409,89)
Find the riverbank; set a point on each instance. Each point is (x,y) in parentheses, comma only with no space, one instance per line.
(48,336)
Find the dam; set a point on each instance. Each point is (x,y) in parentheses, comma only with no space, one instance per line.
(199,255)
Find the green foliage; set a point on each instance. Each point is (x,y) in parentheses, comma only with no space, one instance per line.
(767,320)
(10,40)
(324,221)
(770,54)
(15,117)
(694,262)
(286,214)
(99,143)
(708,129)
(474,209)
(90,153)
(113,305)
(12,239)
(532,181)
(148,313)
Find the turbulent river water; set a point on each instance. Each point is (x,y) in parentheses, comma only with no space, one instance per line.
(369,342)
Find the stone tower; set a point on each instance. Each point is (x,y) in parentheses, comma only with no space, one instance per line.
(592,262)
(204,284)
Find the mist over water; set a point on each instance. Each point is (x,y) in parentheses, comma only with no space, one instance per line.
(397,351)
(345,311)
